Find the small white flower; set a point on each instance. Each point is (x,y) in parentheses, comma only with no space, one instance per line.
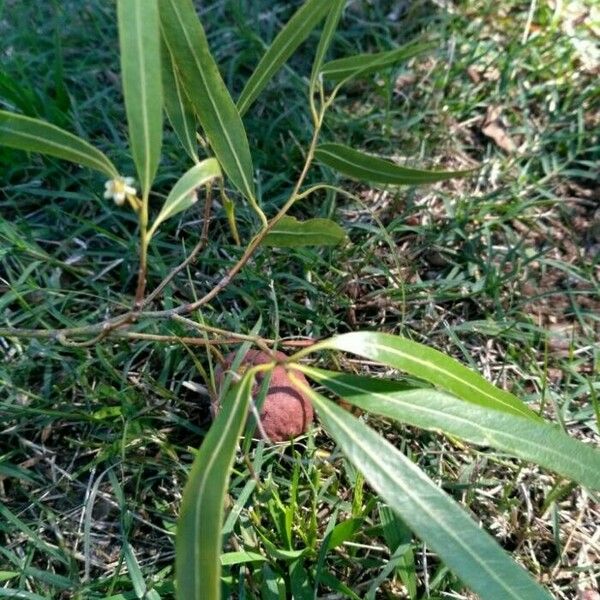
(118,189)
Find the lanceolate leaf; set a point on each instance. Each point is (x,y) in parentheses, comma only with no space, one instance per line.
(183,194)
(427,364)
(206,90)
(362,166)
(139,36)
(333,18)
(285,43)
(25,133)
(290,233)
(537,442)
(466,549)
(177,105)
(199,541)
(364,64)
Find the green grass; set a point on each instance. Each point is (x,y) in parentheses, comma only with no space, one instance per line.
(500,270)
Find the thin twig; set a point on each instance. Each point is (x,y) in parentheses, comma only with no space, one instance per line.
(192,256)
(255,339)
(256,242)
(231,339)
(108,328)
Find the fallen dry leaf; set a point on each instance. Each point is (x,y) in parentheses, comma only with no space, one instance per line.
(474,74)
(404,81)
(478,73)
(581,24)
(493,128)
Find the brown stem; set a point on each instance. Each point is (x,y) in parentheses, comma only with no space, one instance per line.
(110,327)
(141,283)
(255,243)
(255,339)
(231,339)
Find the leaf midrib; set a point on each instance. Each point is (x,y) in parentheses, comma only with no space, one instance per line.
(180,95)
(292,39)
(459,420)
(203,479)
(434,367)
(302,233)
(144,97)
(96,160)
(174,201)
(211,99)
(343,70)
(416,175)
(179,92)
(417,500)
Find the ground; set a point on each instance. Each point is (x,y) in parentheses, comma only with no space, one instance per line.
(500,269)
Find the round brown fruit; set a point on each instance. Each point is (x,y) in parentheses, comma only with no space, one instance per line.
(286,412)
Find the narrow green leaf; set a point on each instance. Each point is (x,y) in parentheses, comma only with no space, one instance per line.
(183,194)
(397,536)
(199,541)
(297,29)
(335,584)
(20,95)
(136,575)
(394,563)
(427,364)
(240,557)
(33,535)
(139,39)
(177,105)
(206,90)
(291,233)
(46,578)
(300,582)
(359,165)
(33,135)
(365,64)
(271,584)
(534,441)
(20,594)
(466,549)
(280,553)
(395,531)
(343,532)
(331,23)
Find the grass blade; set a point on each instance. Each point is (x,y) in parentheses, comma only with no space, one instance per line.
(466,549)
(365,64)
(206,90)
(296,30)
(427,364)
(20,594)
(177,105)
(537,442)
(139,39)
(183,194)
(136,575)
(199,541)
(33,135)
(398,538)
(359,165)
(291,233)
